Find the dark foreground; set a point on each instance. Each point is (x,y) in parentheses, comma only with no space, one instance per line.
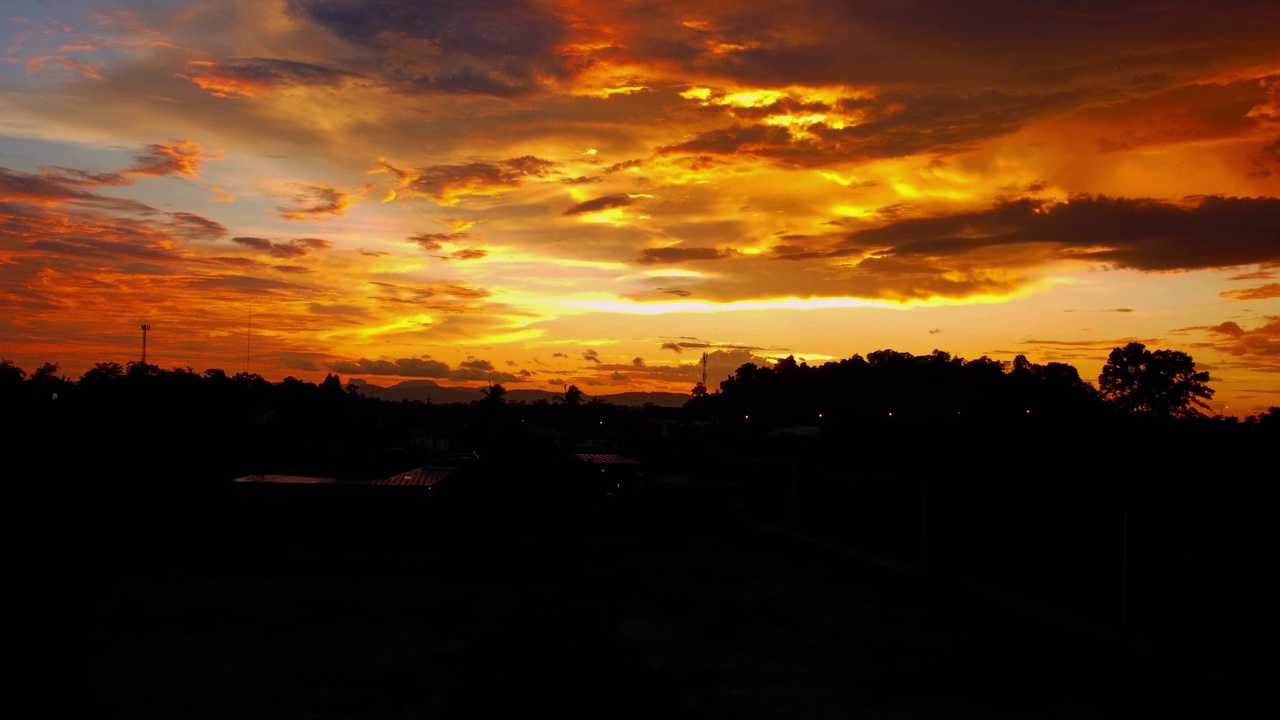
(366,607)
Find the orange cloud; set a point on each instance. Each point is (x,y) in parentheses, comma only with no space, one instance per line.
(297,247)
(315,202)
(257,77)
(181,157)
(447,184)
(1262,292)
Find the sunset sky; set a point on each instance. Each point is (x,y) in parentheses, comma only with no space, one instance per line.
(596,193)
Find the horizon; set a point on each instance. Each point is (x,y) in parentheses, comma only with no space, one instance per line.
(542,194)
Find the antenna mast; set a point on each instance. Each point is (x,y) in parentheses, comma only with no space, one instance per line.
(145,328)
(248,338)
(704,369)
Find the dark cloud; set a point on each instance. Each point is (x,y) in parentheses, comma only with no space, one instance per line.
(258,76)
(297,247)
(618,377)
(592,356)
(672,255)
(935,43)
(1138,234)
(637,362)
(477,369)
(682,345)
(559,355)
(315,202)
(1189,113)
(1263,342)
(600,203)
(892,125)
(85,178)
(189,226)
(434,241)
(1262,292)
(468,254)
(424,367)
(505,47)
(57,188)
(181,157)
(447,184)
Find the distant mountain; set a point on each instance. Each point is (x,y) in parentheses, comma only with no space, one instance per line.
(637,399)
(430,391)
(419,390)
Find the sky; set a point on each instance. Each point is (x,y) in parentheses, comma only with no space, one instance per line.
(540,194)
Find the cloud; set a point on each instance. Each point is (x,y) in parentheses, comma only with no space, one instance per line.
(181,157)
(1262,292)
(93,71)
(54,188)
(467,254)
(255,77)
(600,203)
(673,255)
(477,369)
(1137,234)
(637,362)
(863,127)
(446,185)
(315,202)
(592,356)
(1263,341)
(423,367)
(190,226)
(437,296)
(297,247)
(432,242)
(501,48)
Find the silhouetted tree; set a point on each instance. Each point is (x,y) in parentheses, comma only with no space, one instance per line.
(11,376)
(1162,383)
(494,394)
(572,396)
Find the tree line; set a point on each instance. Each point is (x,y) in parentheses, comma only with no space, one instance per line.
(1134,381)
(940,386)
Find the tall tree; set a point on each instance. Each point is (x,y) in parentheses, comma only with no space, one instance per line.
(494,394)
(1163,383)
